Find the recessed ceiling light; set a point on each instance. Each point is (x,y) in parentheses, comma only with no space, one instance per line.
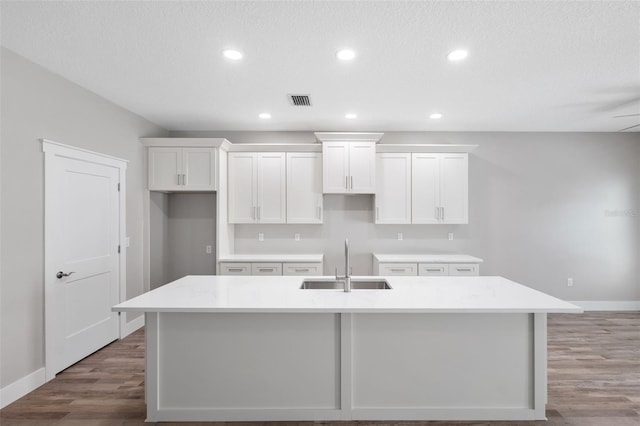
(351,116)
(435,116)
(345,54)
(232,54)
(457,55)
(264,115)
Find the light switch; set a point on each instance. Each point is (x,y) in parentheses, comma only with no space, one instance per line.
(296,237)
(260,236)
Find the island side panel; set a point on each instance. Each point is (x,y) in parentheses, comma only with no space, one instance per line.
(247,366)
(445,366)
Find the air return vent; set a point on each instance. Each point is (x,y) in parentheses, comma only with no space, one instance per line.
(300,100)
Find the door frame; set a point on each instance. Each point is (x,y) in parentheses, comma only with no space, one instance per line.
(51,150)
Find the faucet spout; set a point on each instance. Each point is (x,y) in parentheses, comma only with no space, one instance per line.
(347,267)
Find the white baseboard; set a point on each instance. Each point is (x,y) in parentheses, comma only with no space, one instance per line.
(21,387)
(609,305)
(132,326)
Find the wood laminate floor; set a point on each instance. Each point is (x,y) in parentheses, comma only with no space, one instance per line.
(594,380)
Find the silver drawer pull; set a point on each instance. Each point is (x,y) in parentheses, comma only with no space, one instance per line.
(266,269)
(434,270)
(235,269)
(398,269)
(464,269)
(301,269)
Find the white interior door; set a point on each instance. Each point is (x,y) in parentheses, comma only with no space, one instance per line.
(82,272)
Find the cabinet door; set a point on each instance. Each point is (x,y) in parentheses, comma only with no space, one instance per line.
(335,167)
(165,167)
(454,187)
(433,269)
(304,187)
(468,269)
(398,269)
(266,269)
(235,268)
(425,188)
(308,269)
(272,187)
(393,188)
(199,169)
(362,167)
(242,187)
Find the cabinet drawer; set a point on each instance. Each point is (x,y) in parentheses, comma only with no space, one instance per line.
(235,268)
(464,269)
(266,269)
(433,269)
(410,269)
(302,269)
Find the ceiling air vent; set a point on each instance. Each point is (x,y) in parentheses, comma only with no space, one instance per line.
(300,100)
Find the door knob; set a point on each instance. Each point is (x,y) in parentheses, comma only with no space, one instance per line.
(61,274)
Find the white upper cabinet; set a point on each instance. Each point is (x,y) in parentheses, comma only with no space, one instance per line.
(304,187)
(257,187)
(393,188)
(440,188)
(349,167)
(182,169)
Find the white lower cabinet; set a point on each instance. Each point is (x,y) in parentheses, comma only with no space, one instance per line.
(427,269)
(271,268)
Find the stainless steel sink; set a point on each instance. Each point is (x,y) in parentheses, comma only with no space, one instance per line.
(356,284)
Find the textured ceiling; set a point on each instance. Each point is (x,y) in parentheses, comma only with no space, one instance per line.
(532,65)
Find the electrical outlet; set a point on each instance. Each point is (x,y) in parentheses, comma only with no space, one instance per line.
(450,236)
(569,282)
(260,236)
(296,237)
(207,249)
(127,241)
(400,236)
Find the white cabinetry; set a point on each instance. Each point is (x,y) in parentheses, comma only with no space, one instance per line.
(257,187)
(393,188)
(304,187)
(182,169)
(426,265)
(271,268)
(440,188)
(349,167)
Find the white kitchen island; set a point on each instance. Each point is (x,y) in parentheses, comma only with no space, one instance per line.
(247,348)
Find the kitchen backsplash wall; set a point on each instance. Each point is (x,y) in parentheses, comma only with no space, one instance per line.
(543,207)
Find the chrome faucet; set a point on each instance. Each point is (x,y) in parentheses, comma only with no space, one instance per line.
(347,267)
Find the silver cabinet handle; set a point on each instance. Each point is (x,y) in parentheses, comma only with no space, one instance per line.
(254,213)
(346,182)
(235,269)
(464,269)
(352,183)
(442,215)
(184,180)
(61,274)
(301,269)
(398,269)
(179,180)
(259,212)
(434,270)
(266,269)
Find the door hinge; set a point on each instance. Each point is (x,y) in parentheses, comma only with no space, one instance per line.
(118,186)
(118,248)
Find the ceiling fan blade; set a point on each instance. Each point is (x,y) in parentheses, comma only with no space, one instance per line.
(627,128)
(628,115)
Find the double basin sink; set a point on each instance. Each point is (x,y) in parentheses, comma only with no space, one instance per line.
(338,284)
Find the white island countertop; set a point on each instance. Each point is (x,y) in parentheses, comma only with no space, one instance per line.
(223,293)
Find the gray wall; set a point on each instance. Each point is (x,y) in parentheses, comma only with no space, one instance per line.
(181,226)
(38,104)
(543,207)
